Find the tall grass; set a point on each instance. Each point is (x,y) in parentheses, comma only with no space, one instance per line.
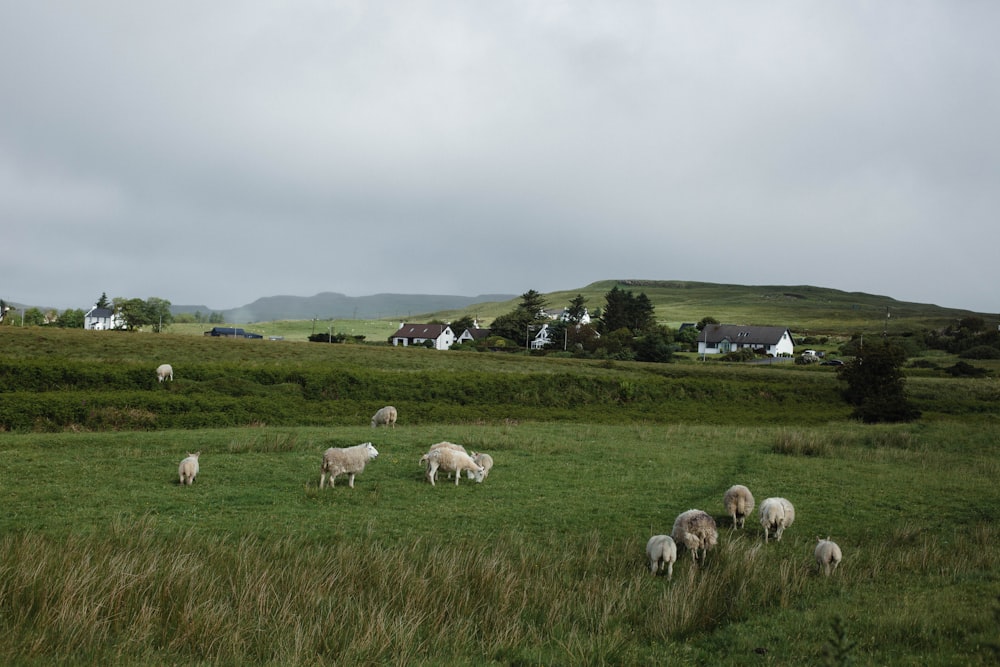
(132,596)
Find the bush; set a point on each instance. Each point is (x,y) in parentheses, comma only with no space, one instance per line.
(962,369)
(981,352)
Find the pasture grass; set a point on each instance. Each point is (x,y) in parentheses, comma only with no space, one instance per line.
(106,559)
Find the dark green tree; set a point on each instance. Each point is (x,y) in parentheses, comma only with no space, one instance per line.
(462,323)
(72,318)
(103,302)
(625,310)
(136,313)
(875,384)
(577,309)
(158,311)
(614,316)
(656,345)
(33,317)
(522,322)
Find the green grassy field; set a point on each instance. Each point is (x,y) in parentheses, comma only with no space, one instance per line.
(106,559)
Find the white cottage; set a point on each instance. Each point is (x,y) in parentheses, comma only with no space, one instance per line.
(441,335)
(725,338)
(101,319)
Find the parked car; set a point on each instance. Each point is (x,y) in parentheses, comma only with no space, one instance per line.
(231,332)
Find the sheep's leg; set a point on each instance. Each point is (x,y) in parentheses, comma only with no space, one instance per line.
(458,476)
(431,472)
(350,479)
(670,570)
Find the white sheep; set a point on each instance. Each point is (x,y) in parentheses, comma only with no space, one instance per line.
(828,555)
(188,469)
(450,460)
(349,460)
(661,550)
(384,417)
(738,502)
(448,445)
(696,530)
(485,460)
(165,372)
(776,514)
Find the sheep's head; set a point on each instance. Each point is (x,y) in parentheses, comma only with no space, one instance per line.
(195,454)
(370,448)
(479,474)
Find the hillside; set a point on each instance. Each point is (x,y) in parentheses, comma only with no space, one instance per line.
(333,305)
(804,308)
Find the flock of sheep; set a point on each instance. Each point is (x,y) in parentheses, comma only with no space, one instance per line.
(697,532)
(694,529)
(444,456)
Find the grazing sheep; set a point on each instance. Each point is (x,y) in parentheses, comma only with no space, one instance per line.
(188,468)
(350,460)
(384,417)
(164,372)
(776,514)
(448,445)
(738,502)
(828,555)
(484,460)
(696,530)
(450,460)
(661,550)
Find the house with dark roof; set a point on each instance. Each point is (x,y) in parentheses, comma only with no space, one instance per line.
(101,319)
(473,334)
(441,335)
(725,338)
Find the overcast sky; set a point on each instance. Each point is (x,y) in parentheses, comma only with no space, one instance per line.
(212,153)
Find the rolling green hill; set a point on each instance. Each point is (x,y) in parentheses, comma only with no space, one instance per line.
(803,308)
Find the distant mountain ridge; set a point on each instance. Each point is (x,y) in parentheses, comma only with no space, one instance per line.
(333,305)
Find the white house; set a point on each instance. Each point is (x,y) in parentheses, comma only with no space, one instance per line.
(724,338)
(101,319)
(417,334)
(541,338)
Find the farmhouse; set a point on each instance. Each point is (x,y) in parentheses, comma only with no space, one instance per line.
(101,319)
(440,335)
(724,338)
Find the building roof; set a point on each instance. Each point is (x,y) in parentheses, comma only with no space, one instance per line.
(745,335)
(478,334)
(100,312)
(420,331)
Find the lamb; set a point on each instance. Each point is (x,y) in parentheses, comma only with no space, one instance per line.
(164,372)
(188,468)
(349,460)
(828,555)
(696,530)
(776,514)
(450,460)
(738,502)
(485,460)
(384,417)
(661,550)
